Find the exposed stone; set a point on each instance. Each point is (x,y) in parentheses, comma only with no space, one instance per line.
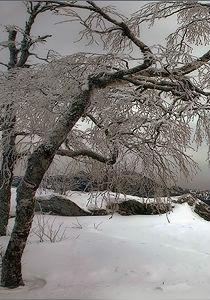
(98,212)
(133,207)
(60,206)
(203,210)
(188,198)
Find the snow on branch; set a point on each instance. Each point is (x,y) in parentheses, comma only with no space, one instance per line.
(129,121)
(117,37)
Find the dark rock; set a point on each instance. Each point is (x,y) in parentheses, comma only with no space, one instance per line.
(60,206)
(188,198)
(98,212)
(133,207)
(203,210)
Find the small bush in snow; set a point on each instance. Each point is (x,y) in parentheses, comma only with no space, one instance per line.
(47,230)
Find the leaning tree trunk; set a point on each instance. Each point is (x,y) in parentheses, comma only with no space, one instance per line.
(38,164)
(11,264)
(7,166)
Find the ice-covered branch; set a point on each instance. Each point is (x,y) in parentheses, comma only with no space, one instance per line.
(101,16)
(88,153)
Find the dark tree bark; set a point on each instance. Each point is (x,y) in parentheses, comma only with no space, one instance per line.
(7,166)
(11,264)
(8,146)
(38,164)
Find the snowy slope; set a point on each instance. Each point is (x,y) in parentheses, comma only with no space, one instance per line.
(123,257)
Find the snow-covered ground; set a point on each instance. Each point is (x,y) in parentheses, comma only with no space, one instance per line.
(123,257)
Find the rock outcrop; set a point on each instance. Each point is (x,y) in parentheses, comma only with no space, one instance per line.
(133,207)
(60,206)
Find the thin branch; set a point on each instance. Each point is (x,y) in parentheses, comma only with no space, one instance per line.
(146,51)
(184,70)
(61,4)
(126,30)
(93,119)
(3,64)
(38,57)
(196,64)
(22,133)
(40,39)
(26,42)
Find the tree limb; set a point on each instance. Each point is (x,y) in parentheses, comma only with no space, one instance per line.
(3,64)
(26,42)
(22,133)
(93,119)
(146,51)
(88,153)
(13,51)
(38,57)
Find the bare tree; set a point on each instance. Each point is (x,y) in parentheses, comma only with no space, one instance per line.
(153,123)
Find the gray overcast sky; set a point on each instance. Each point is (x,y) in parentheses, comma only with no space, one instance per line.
(65,34)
